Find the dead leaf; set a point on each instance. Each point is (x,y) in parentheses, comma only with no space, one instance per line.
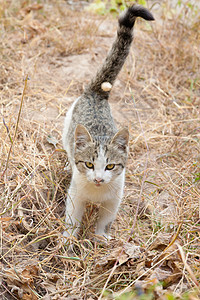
(32,27)
(175,275)
(160,274)
(5,219)
(132,250)
(124,253)
(21,280)
(161,241)
(29,8)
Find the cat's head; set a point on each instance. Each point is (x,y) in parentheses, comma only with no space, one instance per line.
(100,162)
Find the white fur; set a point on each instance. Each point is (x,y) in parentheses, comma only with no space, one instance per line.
(108,194)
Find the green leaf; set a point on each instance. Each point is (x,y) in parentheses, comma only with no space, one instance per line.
(142,2)
(98,7)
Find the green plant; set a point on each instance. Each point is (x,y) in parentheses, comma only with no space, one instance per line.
(111,6)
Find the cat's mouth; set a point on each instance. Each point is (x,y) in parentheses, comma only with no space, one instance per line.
(98,182)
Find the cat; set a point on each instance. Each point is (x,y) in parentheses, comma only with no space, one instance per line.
(96,149)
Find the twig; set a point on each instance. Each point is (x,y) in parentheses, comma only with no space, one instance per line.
(175,237)
(7,129)
(16,127)
(187,266)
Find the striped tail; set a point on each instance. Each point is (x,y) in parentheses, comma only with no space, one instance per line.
(119,51)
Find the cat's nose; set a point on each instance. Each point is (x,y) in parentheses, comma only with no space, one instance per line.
(98,180)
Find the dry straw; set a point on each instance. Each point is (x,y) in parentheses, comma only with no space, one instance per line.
(60,47)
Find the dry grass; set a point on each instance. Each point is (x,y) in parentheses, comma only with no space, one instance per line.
(156,237)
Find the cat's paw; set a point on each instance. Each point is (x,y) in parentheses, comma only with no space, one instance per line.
(71,232)
(102,238)
(69,242)
(65,236)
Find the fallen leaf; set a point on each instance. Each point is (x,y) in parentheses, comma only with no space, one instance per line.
(29,8)
(21,280)
(124,253)
(132,250)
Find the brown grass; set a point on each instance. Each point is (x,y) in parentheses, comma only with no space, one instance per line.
(156,237)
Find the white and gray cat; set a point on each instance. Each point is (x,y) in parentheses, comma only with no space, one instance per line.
(96,150)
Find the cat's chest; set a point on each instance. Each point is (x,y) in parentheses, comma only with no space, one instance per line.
(96,194)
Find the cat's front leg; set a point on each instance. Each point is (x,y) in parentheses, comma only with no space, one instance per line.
(73,216)
(107,214)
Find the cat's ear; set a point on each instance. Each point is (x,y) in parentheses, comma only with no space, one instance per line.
(82,136)
(121,139)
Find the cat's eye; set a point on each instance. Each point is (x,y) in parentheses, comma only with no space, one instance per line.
(110,167)
(89,165)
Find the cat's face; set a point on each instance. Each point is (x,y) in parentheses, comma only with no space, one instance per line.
(100,163)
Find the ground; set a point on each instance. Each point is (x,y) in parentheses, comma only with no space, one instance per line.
(49,51)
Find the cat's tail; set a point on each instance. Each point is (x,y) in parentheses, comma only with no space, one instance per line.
(105,77)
